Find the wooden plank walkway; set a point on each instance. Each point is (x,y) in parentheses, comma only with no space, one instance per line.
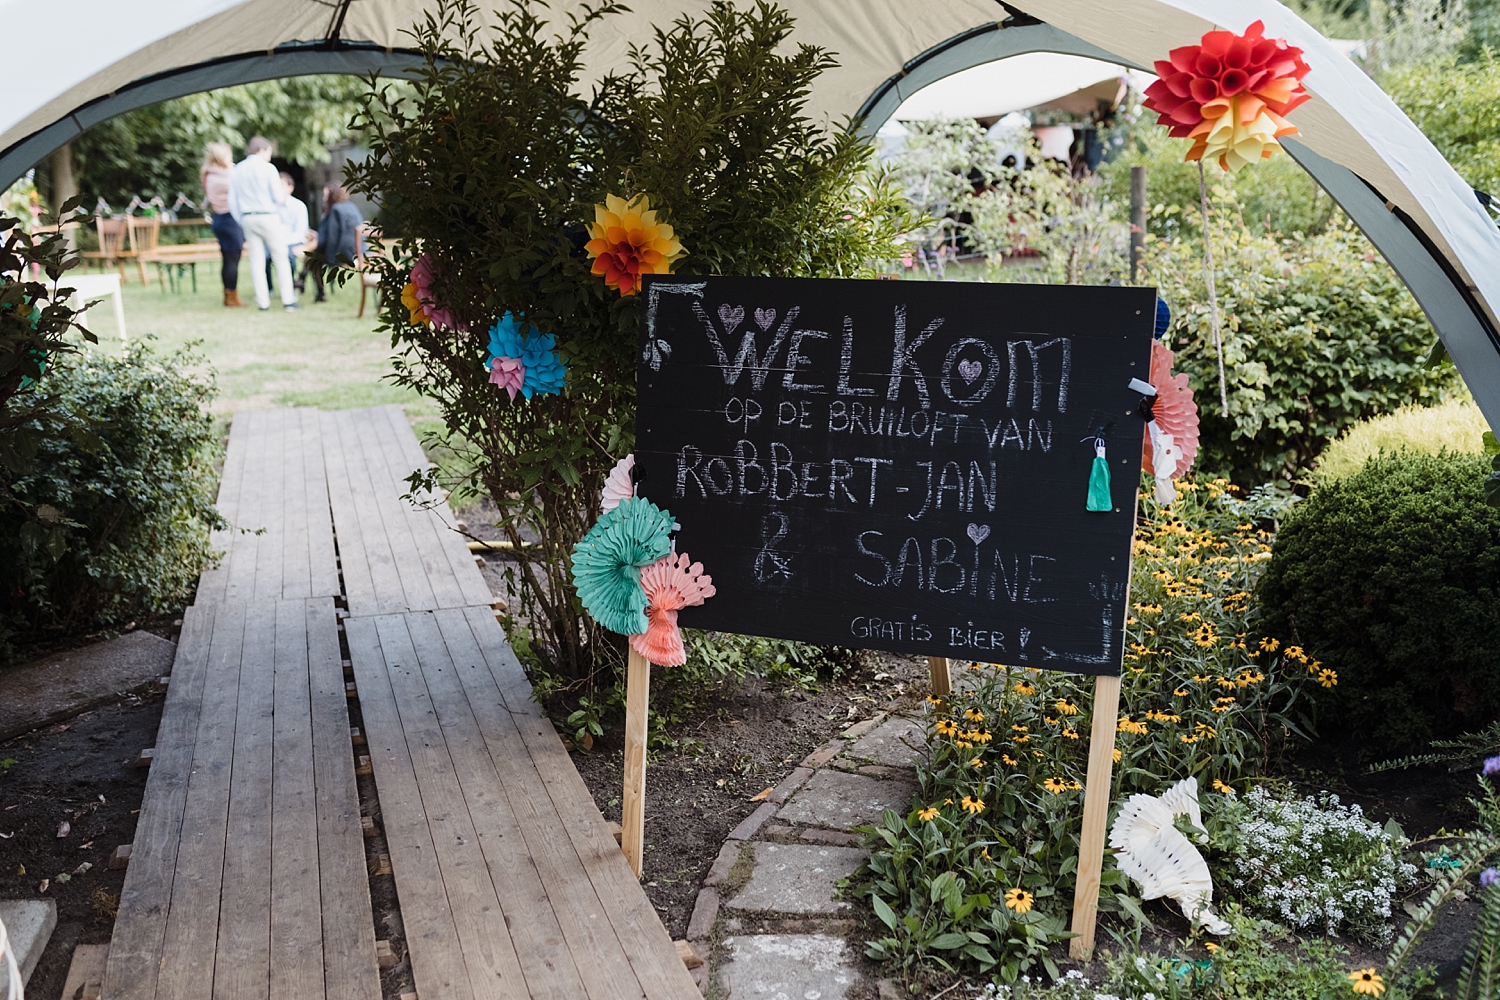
(248,875)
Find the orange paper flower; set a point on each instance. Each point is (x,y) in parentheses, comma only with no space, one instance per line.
(626,241)
(1230,95)
(671,583)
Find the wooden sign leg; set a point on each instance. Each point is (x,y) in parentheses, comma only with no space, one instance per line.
(1095,815)
(942,682)
(633,803)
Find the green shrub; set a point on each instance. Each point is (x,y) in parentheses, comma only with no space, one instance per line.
(125,455)
(1456,426)
(1392,577)
(1457,106)
(1318,333)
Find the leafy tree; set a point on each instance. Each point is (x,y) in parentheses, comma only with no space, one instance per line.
(156,151)
(492,167)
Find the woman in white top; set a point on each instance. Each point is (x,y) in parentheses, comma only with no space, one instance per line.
(218,161)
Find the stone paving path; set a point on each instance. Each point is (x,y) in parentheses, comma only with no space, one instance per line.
(767,921)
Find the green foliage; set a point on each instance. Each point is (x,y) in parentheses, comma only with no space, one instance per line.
(1480,979)
(156,151)
(1392,577)
(123,463)
(1455,426)
(1457,106)
(492,167)
(1001,788)
(1318,333)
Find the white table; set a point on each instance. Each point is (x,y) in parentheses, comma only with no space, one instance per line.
(94,286)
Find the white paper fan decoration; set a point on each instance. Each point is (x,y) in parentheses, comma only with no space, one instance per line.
(1154,853)
(619,485)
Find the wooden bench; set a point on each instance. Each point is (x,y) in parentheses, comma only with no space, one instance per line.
(181,257)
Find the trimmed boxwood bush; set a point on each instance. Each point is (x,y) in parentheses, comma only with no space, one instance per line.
(1391,577)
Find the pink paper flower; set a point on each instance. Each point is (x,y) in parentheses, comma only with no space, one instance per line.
(670,583)
(423,275)
(509,374)
(619,485)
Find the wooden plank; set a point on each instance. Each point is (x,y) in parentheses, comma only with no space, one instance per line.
(323,570)
(86,972)
(359,513)
(242,967)
(1095,813)
(633,803)
(567,893)
(437,959)
(270,475)
(358,582)
(135,950)
(244,551)
(349,970)
(212,582)
(296,927)
(381,460)
(650,949)
(455,580)
(192,931)
(520,884)
(489,953)
(294,579)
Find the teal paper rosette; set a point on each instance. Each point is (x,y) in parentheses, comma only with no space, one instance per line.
(607,563)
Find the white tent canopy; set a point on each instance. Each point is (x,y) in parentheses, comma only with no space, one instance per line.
(116,55)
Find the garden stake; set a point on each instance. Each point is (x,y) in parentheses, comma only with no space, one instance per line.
(633,802)
(1095,813)
(942,679)
(1213,298)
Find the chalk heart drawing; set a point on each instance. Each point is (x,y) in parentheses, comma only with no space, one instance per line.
(731,317)
(764,318)
(970,370)
(979,532)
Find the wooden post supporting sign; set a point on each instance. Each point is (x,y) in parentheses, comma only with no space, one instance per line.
(942,678)
(633,802)
(1095,815)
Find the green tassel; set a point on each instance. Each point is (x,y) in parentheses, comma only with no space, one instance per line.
(1099,498)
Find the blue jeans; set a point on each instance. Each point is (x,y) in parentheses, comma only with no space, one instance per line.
(231,242)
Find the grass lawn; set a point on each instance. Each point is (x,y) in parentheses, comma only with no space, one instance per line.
(319,356)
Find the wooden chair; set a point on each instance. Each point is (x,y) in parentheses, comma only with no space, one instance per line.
(145,233)
(114,240)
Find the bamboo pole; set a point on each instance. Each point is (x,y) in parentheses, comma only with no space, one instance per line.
(1095,814)
(942,681)
(633,802)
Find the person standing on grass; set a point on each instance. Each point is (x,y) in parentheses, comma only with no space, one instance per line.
(294,220)
(256,195)
(218,164)
(339,242)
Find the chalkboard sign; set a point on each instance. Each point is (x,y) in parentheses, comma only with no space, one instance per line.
(899,465)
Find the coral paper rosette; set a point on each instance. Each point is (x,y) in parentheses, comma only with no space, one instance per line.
(1174,411)
(626,241)
(607,563)
(671,584)
(527,363)
(1230,95)
(420,300)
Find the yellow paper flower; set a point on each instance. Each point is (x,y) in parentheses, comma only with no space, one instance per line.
(972,805)
(1367,981)
(927,815)
(626,241)
(1018,899)
(414,305)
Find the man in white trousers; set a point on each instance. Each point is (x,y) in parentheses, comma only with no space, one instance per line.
(255,198)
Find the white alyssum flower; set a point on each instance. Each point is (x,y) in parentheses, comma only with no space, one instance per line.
(1313,861)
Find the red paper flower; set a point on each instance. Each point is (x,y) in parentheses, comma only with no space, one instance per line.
(1230,95)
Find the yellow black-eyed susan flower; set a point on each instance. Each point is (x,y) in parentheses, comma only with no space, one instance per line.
(972,805)
(1365,981)
(1019,900)
(928,815)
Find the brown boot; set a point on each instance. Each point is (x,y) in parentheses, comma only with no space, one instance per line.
(232,297)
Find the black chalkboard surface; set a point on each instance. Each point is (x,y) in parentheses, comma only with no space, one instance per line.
(899,465)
